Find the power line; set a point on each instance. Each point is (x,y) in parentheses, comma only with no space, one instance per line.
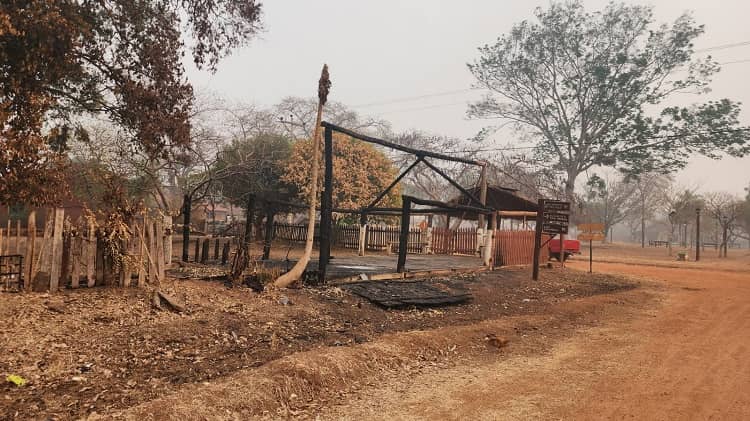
(412,98)
(723,47)
(667,137)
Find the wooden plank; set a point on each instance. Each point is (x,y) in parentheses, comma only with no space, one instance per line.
(45,251)
(90,254)
(18,236)
(57,249)
(141,253)
(159,237)
(75,272)
(168,240)
(152,270)
(29,262)
(66,263)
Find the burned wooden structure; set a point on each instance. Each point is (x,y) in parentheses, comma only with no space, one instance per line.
(421,156)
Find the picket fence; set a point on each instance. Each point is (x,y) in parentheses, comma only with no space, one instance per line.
(75,254)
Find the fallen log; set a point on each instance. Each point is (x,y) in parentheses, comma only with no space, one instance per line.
(173,302)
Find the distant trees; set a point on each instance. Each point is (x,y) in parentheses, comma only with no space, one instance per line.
(726,210)
(607,200)
(62,60)
(582,85)
(679,208)
(647,198)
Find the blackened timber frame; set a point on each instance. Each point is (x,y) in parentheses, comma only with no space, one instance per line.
(438,207)
(326,205)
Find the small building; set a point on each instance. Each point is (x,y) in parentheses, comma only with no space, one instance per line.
(514,210)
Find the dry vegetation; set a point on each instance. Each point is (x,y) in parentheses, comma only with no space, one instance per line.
(104,350)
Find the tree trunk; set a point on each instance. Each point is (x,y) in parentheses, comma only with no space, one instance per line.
(724,241)
(643,232)
(186,207)
(295,273)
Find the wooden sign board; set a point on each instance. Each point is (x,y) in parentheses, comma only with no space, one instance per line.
(591,227)
(554,228)
(591,236)
(556,206)
(556,218)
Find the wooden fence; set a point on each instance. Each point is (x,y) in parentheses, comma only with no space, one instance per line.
(517,248)
(78,254)
(347,236)
(460,241)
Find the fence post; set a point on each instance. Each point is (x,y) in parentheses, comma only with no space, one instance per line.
(152,269)
(159,237)
(57,246)
(489,240)
(225,253)
(29,266)
(90,255)
(204,252)
(361,244)
(403,238)
(268,237)
(168,240)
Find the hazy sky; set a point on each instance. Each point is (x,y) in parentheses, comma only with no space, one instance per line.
(382,54)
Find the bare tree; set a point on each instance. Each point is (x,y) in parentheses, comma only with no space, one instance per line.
(726,209)
(647,198)
(608,200)
(679,206)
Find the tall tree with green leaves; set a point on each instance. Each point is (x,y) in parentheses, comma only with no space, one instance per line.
(590,89)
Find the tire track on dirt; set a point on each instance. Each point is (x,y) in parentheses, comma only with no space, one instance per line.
(683,360)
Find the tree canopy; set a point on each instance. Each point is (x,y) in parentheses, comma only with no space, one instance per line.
(361,172)
(121,58)
(584,85)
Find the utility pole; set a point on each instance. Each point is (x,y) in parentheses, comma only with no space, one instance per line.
(697,234)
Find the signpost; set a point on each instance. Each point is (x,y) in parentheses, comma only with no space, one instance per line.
(591,232)
(553,217)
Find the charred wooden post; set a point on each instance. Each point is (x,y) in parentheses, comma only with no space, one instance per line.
(186,207)
(326,205)
(216,249)
(537,240)
(403,238)
(249,217)
(268,235)
(482,196)
(204,251)
(225,253)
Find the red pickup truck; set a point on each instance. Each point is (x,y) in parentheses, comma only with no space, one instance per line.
(571,247)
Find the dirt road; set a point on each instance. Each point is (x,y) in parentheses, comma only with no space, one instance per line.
(687,358)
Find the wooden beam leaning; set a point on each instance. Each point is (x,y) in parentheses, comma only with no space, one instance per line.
(454,183)
(382,194)
(398,147)
(29,266)
(326,205)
